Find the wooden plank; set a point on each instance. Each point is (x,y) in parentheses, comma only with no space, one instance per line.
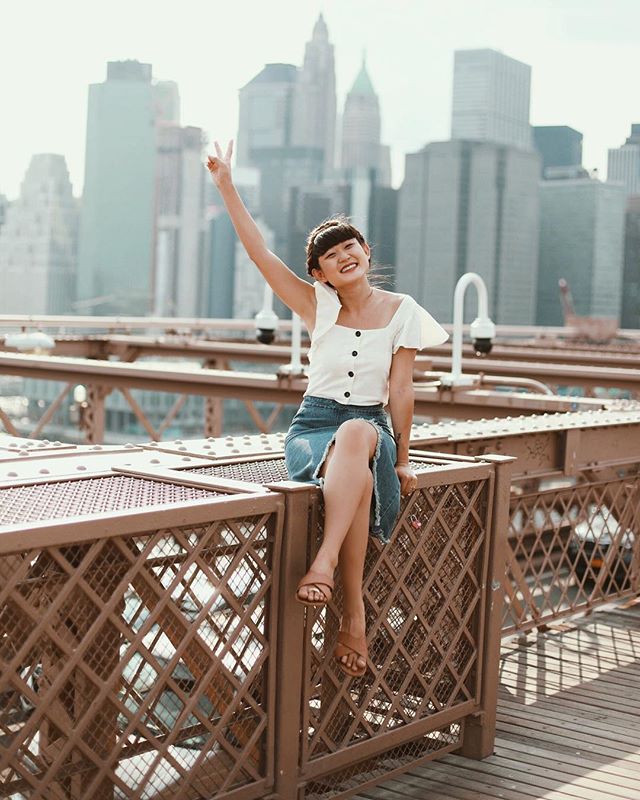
(559,661)
(529,685)
(557,683)
(539,780)
(565,650)
(576,744)
(604,725)
(532,749)
(545,766)
(375,794)
(613,719)
(569,735)
(501,787)
(513,677)
(419,786)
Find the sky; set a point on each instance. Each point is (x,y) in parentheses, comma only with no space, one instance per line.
(583,54)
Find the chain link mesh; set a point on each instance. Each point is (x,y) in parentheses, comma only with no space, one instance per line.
(375,769)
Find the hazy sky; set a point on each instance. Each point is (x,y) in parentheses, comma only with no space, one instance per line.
(584,55)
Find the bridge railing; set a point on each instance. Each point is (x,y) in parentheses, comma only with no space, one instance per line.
(574,516)
(151,645)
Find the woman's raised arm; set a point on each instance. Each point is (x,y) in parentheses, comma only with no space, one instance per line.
(294,292)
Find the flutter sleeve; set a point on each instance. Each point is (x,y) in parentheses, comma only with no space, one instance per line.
(327,309)
(417,329)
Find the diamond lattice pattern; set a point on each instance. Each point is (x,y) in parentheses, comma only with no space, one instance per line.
(422,600)
(134,666)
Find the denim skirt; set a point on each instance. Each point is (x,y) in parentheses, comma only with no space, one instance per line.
(312,433)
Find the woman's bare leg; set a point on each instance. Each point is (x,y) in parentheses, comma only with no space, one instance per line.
(351,561)
(347,496)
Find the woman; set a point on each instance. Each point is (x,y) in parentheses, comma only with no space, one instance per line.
(363,345)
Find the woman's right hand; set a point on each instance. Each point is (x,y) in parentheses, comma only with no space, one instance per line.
(220,165)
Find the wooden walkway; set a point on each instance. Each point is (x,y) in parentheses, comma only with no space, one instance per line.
(568,721)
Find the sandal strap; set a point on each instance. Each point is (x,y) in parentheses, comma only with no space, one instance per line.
(351,644)
(317,580)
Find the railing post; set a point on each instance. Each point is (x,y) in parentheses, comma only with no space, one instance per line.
(480,730)
(213,407)
(92,415)
(290,663)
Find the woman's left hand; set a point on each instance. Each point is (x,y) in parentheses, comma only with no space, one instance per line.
(407,477)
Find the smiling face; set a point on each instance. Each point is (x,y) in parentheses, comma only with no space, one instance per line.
(343,264)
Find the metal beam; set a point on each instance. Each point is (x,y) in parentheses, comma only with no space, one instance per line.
(430,401)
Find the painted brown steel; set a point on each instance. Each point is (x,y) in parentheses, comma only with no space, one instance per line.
(101,378)
(557,536)
(351,741)
(88,748)
(105,558)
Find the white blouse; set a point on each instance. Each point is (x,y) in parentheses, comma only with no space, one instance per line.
(352,365)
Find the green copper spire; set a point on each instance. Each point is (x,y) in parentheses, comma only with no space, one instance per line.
(362,84)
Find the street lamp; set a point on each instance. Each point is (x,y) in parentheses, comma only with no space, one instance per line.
(482,329)
(266,319)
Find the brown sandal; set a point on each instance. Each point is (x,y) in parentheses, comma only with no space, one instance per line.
(319,581)
(347,645)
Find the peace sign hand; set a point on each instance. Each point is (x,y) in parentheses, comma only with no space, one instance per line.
(220,165)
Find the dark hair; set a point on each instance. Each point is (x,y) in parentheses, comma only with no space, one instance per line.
(327,235)
(330,233)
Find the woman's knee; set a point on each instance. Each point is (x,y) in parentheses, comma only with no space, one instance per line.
(357,433)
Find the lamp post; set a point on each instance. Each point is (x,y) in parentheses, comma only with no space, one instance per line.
(266,319)
(482,329)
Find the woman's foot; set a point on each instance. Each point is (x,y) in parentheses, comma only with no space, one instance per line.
(315,589)
(351,650)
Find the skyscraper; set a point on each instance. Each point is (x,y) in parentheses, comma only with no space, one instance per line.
(180,223)
(166,102)
(630,315)
(470,206)
(38,242)
(581,240)
(4,205)
(265,142)
(491,95)
(249,285)
(559,146)
(624,162)
(361,147)
(117,221)
(314,100)
(383,228)
(221,241)
(265,112)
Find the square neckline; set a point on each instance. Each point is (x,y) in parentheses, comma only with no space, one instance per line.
(383,328)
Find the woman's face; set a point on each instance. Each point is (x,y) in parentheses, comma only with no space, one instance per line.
(343,264)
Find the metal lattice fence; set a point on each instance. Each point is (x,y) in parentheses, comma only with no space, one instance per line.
(136,665)
(572,546)
(151,645)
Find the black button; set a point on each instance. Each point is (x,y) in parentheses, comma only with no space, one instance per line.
(347,394)
(358,333)
(354,353)
(350,374)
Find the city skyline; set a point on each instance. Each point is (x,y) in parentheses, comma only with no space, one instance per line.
(575,53)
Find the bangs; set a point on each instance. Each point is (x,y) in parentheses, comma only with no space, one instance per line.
(331,236)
